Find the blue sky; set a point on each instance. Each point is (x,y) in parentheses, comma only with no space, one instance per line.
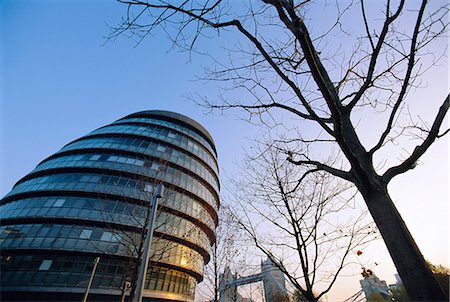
(60,80)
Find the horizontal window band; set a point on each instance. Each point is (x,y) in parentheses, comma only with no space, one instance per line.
(125,122)
(102,223)
(175,118)
(76,193)
(113,152)
(112,172)
(111,227)
(127,213)
(145,138)
(50,253)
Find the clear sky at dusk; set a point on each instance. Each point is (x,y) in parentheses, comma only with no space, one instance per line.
(60,79)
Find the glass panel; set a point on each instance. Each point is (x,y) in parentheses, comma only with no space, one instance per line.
(85,234)
(45,265)
(106,236)
(148,188)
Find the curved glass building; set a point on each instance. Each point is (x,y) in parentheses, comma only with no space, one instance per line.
(90,199)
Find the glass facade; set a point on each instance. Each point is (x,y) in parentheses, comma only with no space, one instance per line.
(91,199)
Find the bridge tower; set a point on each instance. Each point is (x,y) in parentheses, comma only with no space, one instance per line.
(274,283)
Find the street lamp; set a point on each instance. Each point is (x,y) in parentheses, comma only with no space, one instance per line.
(96,261)
(148,240)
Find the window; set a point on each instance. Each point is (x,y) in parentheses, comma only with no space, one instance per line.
(131,184)
(49,202)
(96,234)
(104,179)
(94,178)
(123,181)
(161,148)
(43,231)
(85,178)
(122,159)
(94,157)
(45,265)
(171,135)
(148,188)
(131,161)
(107,236)
(119,207)
(59,202)
(155,166)
(85,233)
(104,157)
(43,179)
(135,142)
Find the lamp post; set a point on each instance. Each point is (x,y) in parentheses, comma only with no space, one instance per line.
(97,259)
(148,240)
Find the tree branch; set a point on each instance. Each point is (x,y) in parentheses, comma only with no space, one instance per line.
(406,80)
(419,150)
(323,167)
(374,56)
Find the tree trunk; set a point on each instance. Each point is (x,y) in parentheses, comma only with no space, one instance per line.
(415,273)
(309,296)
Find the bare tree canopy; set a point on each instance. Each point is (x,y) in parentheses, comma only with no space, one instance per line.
(329,75)
(309,229)
(225,253)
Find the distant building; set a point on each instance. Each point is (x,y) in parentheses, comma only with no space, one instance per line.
(228,288)
(398,284)
(398,279)
(372,284)
(89,199)
(273,279)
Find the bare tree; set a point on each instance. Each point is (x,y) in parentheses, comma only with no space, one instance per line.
(310,229)
(329,80)
(127,219)
(227,252)
(129,228)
